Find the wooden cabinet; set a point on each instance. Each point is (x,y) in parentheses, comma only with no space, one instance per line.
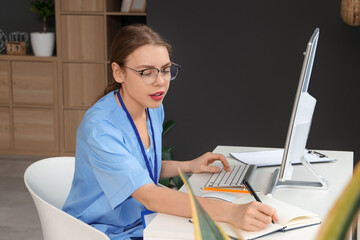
(82,5)
(83,37)
(5,136)
(86,29)
(29,111)
(83,83)
(43,99)
(33,82)
(4,82)
(34,130)
(72,119)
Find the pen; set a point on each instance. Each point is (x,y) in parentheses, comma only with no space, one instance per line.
(252,192)
(320,155)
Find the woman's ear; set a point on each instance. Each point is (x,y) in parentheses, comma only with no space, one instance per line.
(117,72)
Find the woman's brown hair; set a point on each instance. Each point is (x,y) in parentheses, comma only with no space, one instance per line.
(128,40)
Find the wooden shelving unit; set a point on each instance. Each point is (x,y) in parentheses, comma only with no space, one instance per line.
(29,119)
(85,32)
(43,99)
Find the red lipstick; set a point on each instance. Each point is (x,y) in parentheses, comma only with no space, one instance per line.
(158,96)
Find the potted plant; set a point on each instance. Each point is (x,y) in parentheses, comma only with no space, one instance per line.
(167,154)
(43,42)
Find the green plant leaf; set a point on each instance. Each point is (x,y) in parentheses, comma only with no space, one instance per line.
(177,181)
(167,126)
(338,221)
(45,9)
(167,153)
(165,182)
(205,228)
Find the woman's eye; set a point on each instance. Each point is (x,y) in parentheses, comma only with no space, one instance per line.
(147,72)
(166,70)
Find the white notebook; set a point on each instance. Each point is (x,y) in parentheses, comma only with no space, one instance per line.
(166,226)
(290,217)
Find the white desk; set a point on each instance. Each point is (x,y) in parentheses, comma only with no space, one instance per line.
(337,173)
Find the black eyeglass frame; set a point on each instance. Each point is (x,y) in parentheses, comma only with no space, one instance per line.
(141,72)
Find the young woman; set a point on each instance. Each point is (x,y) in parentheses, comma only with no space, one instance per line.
(118,150)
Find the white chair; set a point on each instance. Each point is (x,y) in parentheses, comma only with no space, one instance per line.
(49,182)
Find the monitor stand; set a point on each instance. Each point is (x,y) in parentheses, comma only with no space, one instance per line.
(275,182)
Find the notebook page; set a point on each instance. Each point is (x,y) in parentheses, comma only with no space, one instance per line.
(236,232)
(287,213)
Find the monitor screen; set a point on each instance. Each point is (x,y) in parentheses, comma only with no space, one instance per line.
(302,113)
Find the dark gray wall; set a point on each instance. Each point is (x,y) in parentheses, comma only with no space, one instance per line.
(15,15)
(241,64)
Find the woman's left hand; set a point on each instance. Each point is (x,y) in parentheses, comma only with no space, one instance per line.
(201,164)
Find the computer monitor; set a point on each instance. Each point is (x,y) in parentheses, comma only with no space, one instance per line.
(299,129)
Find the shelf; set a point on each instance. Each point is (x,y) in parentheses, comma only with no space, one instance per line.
(83,61)
(26,57)
(46,105)
(126,14)
(75,108)
(81,13)
(32,106)
(106,13)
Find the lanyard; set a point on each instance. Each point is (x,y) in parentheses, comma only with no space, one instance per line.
(147,161)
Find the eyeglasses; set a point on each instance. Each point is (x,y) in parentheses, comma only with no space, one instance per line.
(150,75)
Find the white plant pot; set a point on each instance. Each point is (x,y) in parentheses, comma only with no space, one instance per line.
(42,43)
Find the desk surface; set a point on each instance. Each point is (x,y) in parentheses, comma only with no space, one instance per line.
(337,173)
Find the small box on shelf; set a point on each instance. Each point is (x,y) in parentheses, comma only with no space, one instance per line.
(16,48)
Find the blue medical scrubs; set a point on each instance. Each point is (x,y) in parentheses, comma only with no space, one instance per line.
(109,167)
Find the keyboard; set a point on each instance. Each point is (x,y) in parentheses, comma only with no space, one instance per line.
(233,178)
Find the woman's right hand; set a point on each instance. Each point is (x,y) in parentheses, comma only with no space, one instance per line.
(253,216)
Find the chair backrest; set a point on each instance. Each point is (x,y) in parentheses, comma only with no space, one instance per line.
(49,183)
(51,179)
